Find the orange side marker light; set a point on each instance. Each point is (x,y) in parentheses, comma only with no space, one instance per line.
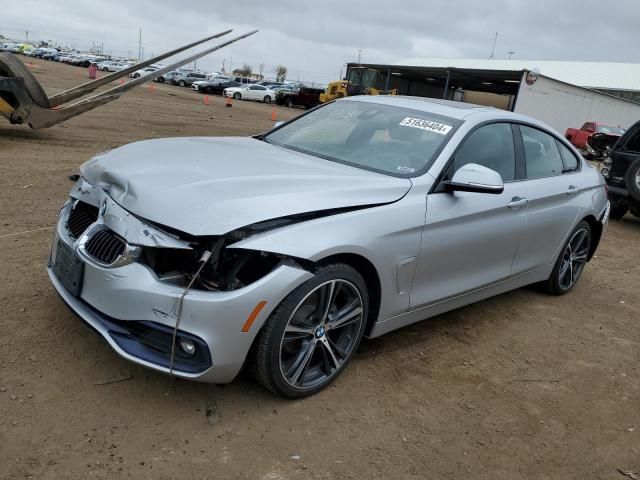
(253,316)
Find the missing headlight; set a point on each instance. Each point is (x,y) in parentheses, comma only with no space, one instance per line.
(226,270)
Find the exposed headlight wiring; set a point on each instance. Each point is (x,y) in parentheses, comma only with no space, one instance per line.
(206,255)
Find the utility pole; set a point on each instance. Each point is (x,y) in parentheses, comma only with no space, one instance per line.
(223,60)
(493,50)
(139,43)
(359,55)
(27,35)
(510,53)
(261,66)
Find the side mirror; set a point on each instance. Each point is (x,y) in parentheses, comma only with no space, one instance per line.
(277,124)
(475,178)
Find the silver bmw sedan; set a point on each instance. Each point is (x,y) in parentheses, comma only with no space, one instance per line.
(194,256)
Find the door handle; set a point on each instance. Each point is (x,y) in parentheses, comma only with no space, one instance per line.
(517,202)
(572,190)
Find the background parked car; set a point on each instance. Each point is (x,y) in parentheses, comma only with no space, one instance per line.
(252,92)
(306,97)
(214,86)
(283,88)
(187,79)
(111,66)
(622,174)
(40,52)
(580,138)
(144,71)
(86,60)
(244,80)
(167,76)
(51,56)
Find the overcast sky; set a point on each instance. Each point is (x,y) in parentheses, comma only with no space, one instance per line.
(316,39)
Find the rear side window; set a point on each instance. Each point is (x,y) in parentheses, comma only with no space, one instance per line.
(542,156)
(490,146)
(568,157)
(633,143)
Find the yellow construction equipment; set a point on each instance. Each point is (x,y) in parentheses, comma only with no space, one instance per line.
(360,81)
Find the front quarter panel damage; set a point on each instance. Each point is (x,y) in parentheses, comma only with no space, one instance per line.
(385,235)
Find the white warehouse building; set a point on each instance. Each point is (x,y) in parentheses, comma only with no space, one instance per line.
(561,93)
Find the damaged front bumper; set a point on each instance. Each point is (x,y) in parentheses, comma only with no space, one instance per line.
(135,311)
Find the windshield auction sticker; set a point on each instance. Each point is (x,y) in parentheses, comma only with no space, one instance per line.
(434,127)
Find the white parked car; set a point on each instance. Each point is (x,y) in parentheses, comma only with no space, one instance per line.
(112,66)
(143,71)
(251,92)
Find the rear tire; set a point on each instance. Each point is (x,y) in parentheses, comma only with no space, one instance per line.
(181,83)
(632,180)
(289,103)
(571,261)
(309,339)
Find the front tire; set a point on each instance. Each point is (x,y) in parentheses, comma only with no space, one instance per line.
(312,335)
(571,261)
(237,96)
(266,99)
(289,103)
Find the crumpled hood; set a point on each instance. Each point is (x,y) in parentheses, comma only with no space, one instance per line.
(213,185)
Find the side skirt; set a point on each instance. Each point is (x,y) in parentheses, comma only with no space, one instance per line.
(428,311)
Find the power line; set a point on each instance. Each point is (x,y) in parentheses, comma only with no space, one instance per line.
(493,50)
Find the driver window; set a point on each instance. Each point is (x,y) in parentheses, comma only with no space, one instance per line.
(490,146)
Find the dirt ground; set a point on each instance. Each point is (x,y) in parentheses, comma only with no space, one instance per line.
(520,386)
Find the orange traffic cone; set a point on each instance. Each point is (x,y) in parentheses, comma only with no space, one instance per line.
(206,100)
(228,102)
(273,115)
(122,81)
(152,88)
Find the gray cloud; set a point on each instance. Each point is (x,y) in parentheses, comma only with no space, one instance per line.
(314,40)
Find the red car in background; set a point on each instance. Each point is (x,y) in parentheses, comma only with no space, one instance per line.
(583,138)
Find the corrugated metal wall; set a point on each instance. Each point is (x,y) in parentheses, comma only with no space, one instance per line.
(563,106)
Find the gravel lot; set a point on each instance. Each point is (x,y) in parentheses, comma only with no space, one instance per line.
(520,386)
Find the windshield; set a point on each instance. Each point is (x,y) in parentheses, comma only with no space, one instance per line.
(610,130)
(392,140)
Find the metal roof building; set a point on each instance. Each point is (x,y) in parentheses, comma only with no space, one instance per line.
(621,77)
(562,93)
